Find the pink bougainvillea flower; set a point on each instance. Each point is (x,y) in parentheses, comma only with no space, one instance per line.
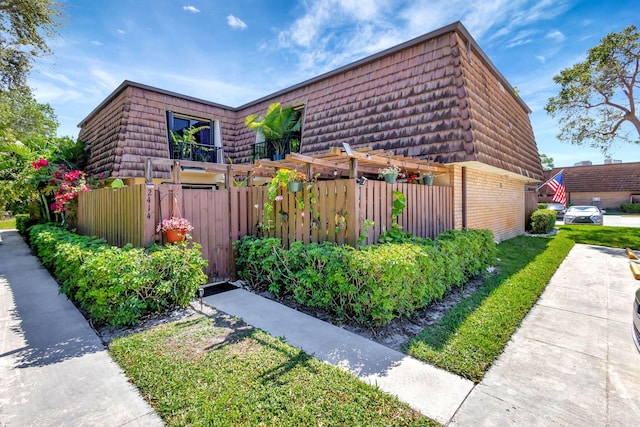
(279,198)
(39,164)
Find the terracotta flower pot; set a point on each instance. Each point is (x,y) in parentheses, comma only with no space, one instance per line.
(174,236)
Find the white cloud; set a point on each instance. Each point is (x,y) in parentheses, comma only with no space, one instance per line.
(96,43)
(120,31)
(236,23)
(541,58)
(333,32)
(105,79)
(191,9)
(556,36)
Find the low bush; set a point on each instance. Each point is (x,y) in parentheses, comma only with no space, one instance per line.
(373,285)
(630,207)
(23,222)
(118,285)
(543,221)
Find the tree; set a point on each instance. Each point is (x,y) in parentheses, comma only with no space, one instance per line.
(547,162)
(24,27)
(597,95)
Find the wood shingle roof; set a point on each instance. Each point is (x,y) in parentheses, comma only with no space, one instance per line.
(600,178)
(436,97)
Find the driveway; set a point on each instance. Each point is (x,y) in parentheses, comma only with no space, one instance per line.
(622,220)
(573,361)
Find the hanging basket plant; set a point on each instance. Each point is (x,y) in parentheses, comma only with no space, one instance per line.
(390,174)
(176,228)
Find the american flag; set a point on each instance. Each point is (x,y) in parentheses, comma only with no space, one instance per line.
(559,192)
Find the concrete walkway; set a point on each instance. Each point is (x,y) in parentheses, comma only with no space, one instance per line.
(54,370)
(573,361)
(432,391)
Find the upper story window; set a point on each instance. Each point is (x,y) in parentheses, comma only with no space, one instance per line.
(277,148)
(192,138)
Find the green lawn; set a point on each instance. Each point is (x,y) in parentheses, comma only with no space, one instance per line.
(198,372)
(8,224)
(203,373)
(470,336)
(613,237)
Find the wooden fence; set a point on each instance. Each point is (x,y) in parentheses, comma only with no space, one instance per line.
(332,211)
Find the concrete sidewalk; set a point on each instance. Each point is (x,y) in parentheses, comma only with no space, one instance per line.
(54,370)
(432,391)
(573,361)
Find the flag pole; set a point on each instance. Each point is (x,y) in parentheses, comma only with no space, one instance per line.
(549,180)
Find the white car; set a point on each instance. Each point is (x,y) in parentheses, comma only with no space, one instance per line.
(583,215)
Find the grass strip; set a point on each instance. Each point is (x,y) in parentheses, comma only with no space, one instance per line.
(613,237)
(8,224)
(473,334)
(198,372)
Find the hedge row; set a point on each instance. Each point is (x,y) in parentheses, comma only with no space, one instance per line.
(118,285)
(630,207)
(373,285)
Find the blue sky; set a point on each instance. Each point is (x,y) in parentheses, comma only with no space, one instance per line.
(235,51)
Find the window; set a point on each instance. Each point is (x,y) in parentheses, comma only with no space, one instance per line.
(277,149)
(202,148)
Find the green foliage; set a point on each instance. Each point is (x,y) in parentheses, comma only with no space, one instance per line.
(118,285)
(543,221)
(201,373)
(596,96)
(613,237)
(364,235)
(23,222)
(630,207)
(25,28)
(469,337)
(276,125)
(395,233)
(373,285)
(257,262)
(547,162)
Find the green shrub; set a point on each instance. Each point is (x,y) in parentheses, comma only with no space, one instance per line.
(119,285)
(543,221)
(23,222)
(630,207)
(373,285)
(258,262)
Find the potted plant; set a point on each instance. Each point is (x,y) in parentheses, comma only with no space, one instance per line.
(175,228)
(390,174)
(185,141)
(276,126)
(295,180)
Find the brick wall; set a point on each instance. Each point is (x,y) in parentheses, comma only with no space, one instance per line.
(495,202)
(608,200)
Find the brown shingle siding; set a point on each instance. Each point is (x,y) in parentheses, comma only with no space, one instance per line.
(422,98)
(600,178)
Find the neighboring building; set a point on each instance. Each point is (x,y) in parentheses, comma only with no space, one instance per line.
(436,97)
(606,186)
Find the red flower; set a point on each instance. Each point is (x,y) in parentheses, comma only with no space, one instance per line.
(39,164)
